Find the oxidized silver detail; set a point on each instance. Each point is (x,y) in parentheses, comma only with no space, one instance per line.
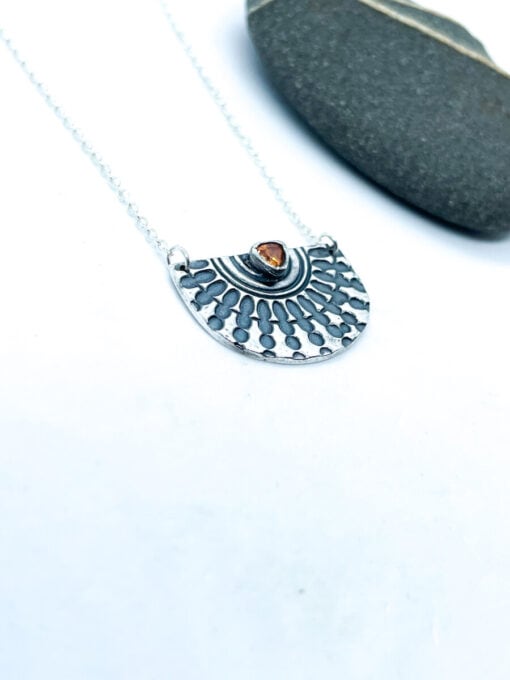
(316,310)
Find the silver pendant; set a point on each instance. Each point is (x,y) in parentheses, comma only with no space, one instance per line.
(288,305)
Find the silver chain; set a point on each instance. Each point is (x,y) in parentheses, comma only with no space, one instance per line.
(141,223)
(246,142)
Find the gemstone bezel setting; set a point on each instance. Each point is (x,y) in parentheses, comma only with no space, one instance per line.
(264,264)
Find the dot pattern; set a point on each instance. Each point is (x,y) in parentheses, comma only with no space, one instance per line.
(320,318)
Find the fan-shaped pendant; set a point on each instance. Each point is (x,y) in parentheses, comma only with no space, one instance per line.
(289,305)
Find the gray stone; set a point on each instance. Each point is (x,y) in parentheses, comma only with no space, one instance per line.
(408,97)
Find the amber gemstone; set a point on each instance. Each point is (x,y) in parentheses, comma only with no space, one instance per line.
(272,253)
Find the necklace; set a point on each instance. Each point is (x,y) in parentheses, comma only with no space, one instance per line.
(281,304)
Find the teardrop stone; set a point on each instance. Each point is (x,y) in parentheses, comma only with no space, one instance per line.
(273,253)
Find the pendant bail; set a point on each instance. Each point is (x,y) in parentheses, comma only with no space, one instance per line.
(329,242)
(183,264)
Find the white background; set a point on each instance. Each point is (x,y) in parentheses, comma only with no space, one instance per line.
(173,510)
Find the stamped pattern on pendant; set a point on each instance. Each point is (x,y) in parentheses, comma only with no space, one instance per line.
(312,306)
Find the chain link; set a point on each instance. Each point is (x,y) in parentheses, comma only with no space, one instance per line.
(229,117)
(141,223)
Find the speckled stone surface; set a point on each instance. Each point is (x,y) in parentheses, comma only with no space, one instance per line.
(408,97)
